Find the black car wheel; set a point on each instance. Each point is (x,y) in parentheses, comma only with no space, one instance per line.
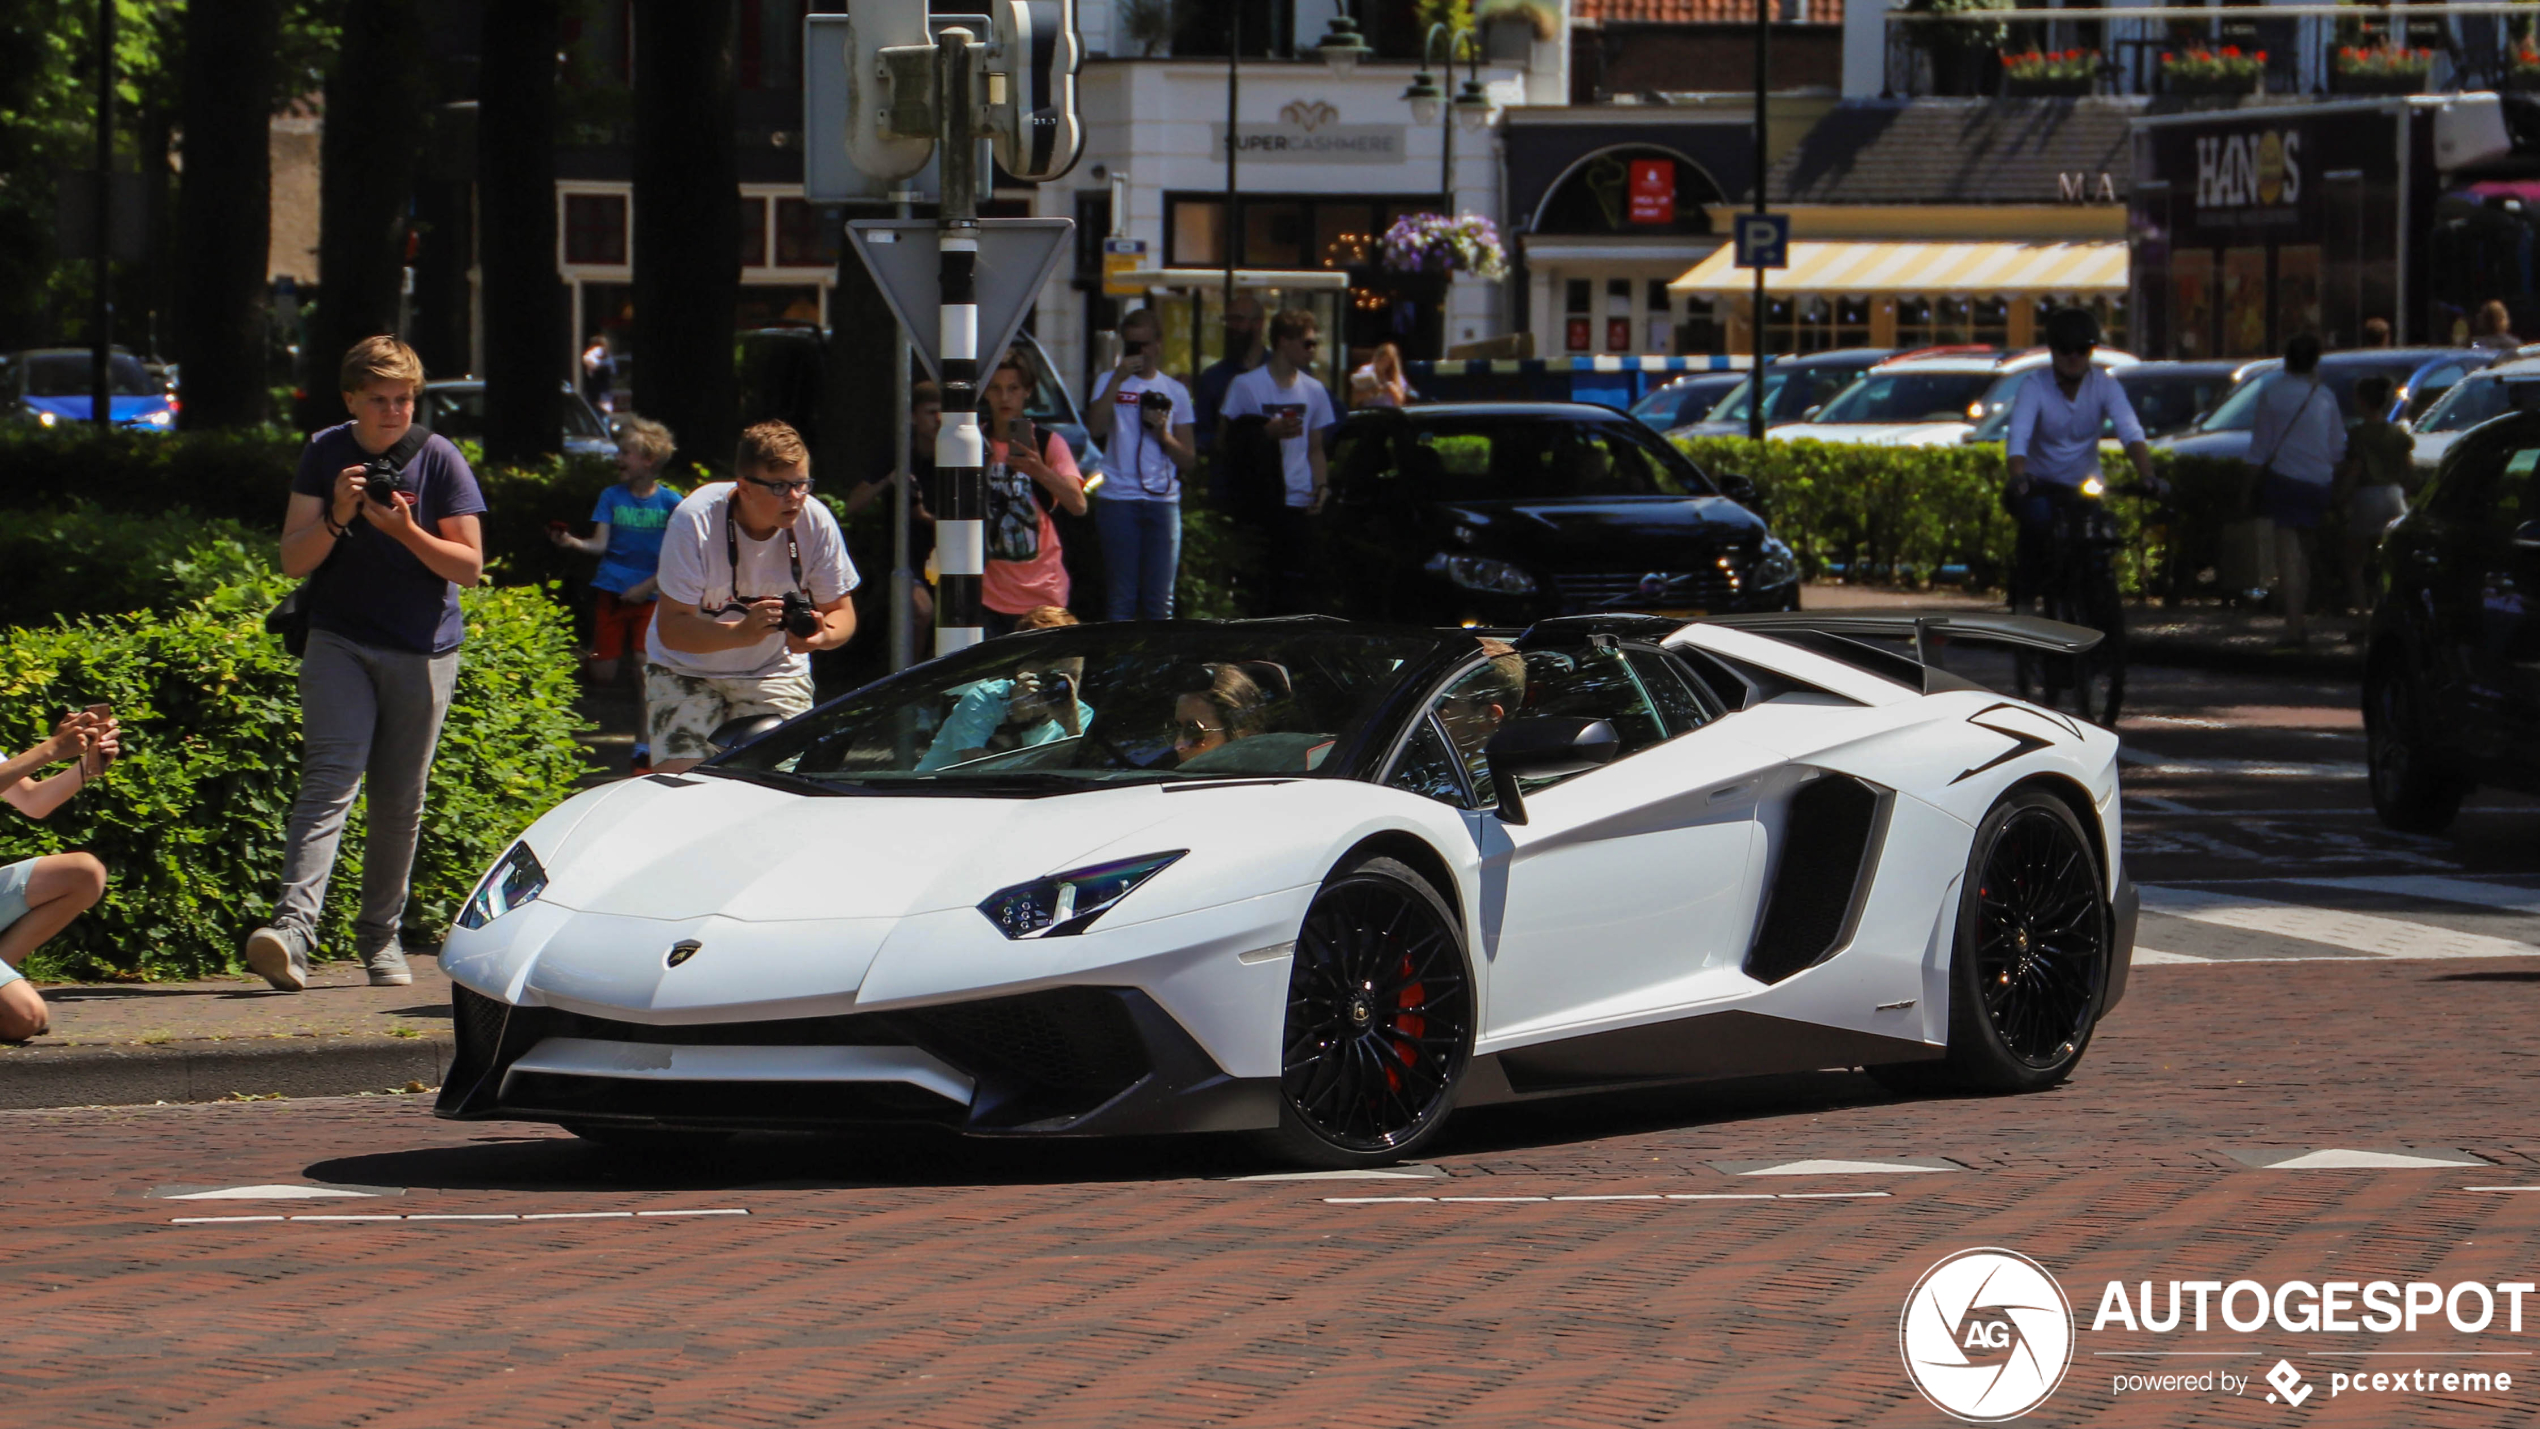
(1379,1022)
(2410,791)
(2030,967)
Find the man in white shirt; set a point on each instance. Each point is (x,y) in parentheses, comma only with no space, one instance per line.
(2056,422)
(1138,508)
(1298,408)
(720,647)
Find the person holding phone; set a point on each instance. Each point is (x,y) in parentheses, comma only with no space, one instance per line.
(1031,474)
(1298,413)
(1144,419)
(383,524)
(40,896)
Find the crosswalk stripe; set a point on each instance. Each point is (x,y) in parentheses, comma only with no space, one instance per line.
(2361,932)
(2439,889)
(2155,957)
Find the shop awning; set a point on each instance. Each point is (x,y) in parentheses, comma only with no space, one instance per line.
(1920,268)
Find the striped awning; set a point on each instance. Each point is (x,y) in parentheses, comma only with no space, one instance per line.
(1920,268)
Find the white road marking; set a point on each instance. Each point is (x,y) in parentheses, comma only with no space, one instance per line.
(2346,1159)
(1378,1200)
(2359,932)
(1426,1174)
(348,1218)
(473,1216)
(1644,1196)
(580,1216)
(1489,1200)
(464,1216)
(218,1220)
(2501,1188)
(2148,762)
(2155,957)
(2439,890)
(1835,1168)
(1676,1196)
(269,1193)
(733,1211)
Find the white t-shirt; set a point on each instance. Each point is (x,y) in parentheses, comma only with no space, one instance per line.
(1141,469)
(1258,393)
(2060,438)
(696,572)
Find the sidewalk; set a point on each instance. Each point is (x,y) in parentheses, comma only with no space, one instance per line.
(2212,637)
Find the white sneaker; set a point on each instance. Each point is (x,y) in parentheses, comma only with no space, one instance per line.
(388,967)
(279,957)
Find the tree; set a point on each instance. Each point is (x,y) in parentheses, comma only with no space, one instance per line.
(375,118)
(687,220)
(223,210)
(516,184)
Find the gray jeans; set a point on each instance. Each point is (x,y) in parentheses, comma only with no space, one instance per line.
(363,711)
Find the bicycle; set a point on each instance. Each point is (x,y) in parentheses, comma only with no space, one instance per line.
(2079,587)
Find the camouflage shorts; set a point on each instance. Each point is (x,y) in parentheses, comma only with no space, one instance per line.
(683,709)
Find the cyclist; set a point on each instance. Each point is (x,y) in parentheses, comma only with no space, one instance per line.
(2054,444)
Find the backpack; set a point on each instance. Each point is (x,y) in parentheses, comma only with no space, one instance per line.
(1013,523)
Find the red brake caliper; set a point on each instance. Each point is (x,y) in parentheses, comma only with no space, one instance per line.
(1408,1021)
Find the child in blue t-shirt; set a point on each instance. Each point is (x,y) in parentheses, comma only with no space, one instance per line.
(629,521)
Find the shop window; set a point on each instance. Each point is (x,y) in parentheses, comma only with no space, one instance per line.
(1816,323)
(1990,321)
(595,228)
(1198,234)
(1577,295)
(2244,302)
(2297,291)
(806,234)
(1345,234)
(1701,331)
(2109,311)
(2192,302)
(753,232)
(1274,236)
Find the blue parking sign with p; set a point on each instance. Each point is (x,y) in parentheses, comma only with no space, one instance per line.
(1763,240)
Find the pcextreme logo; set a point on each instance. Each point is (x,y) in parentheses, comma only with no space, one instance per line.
(1987,1335)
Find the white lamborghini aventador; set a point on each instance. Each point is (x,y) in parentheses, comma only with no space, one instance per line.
(1322,880)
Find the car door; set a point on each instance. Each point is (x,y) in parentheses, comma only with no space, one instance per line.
(2504,653)
(1626,879)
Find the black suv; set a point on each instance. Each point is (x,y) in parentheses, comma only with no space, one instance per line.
(2452,676)
(1504,513)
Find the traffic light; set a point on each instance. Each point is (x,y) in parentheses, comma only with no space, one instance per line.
(1032,60)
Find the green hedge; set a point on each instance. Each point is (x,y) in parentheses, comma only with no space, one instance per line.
(191,822)
(85,561)
(1904,514)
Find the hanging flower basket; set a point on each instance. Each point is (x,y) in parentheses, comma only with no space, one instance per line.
(2522,68)
(2042,73)
(2226,72)
(2380,69)
(1435,243)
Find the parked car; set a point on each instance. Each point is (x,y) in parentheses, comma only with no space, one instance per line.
(2452,664)
(2421,376)
(1507,513)
(1686,400)
(51,385)
(1934,397)
(2167,397)
(2479,397)
(1793,386)
(456,409)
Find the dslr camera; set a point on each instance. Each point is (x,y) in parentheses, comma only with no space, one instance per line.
(1152,400)
(381,480)
(800,619)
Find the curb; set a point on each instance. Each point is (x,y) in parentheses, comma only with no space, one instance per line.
(39,1077)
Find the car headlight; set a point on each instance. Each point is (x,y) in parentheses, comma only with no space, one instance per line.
(1482,573)
(44,418)
(1774,563)
(1065,904)
(160,418)
(516,880)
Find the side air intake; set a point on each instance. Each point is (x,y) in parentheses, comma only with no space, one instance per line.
(1825,846)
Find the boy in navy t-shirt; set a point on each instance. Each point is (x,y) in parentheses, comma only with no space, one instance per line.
(384,564)
(628,522)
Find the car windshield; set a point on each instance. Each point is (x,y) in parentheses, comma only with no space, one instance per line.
(1095,705)
(1498,458)
(1687,399)
(1789,394)
(1881,397)
(2469,404)
(2166,402)
(2239,411)
(68,374)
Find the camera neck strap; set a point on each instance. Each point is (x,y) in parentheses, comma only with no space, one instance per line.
(732,547)
(405,448)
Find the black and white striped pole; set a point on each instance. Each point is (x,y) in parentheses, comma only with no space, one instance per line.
(961,454)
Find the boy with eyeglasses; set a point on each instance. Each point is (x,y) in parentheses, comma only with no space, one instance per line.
(720,648)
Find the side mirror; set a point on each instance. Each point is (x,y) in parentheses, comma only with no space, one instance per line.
(1740,489)
(2527,535)
(748,729)
(1545,747)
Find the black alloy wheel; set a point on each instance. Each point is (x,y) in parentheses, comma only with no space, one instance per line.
(2410,791)
(1379,1022)
(2030,967)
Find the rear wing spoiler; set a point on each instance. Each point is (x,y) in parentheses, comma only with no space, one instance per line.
(1879,641)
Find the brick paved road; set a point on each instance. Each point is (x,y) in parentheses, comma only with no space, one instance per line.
(919,1281)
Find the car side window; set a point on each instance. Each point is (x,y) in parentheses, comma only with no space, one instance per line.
(1670,471)
(1594,682)
(2517,497)
(1680,702)
(2467,476)
(1428,767)
(1473,706)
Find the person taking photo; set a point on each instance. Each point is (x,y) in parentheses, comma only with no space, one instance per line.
(1031,474)
(383,523)
(1143,419)
(754,577)
(40,896)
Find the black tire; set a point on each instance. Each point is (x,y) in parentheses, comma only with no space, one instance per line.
(1380,1020)
(2411,791)
(668,1143)
(2029,970)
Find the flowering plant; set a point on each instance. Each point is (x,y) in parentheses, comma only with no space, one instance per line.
(2225,63)
(2394,60)
(2524,59)
(1435,243)
(2055,64)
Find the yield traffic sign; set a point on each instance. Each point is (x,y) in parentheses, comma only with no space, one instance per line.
(1016,257)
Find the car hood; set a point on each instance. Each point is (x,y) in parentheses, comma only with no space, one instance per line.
(1876,434)
(1588,533)
(716,846)
(2224,445)
(76,409)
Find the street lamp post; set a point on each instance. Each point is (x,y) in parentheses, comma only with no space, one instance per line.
(1471,107)
(1341,50)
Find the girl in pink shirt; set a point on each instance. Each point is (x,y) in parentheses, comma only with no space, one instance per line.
(1011,588)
